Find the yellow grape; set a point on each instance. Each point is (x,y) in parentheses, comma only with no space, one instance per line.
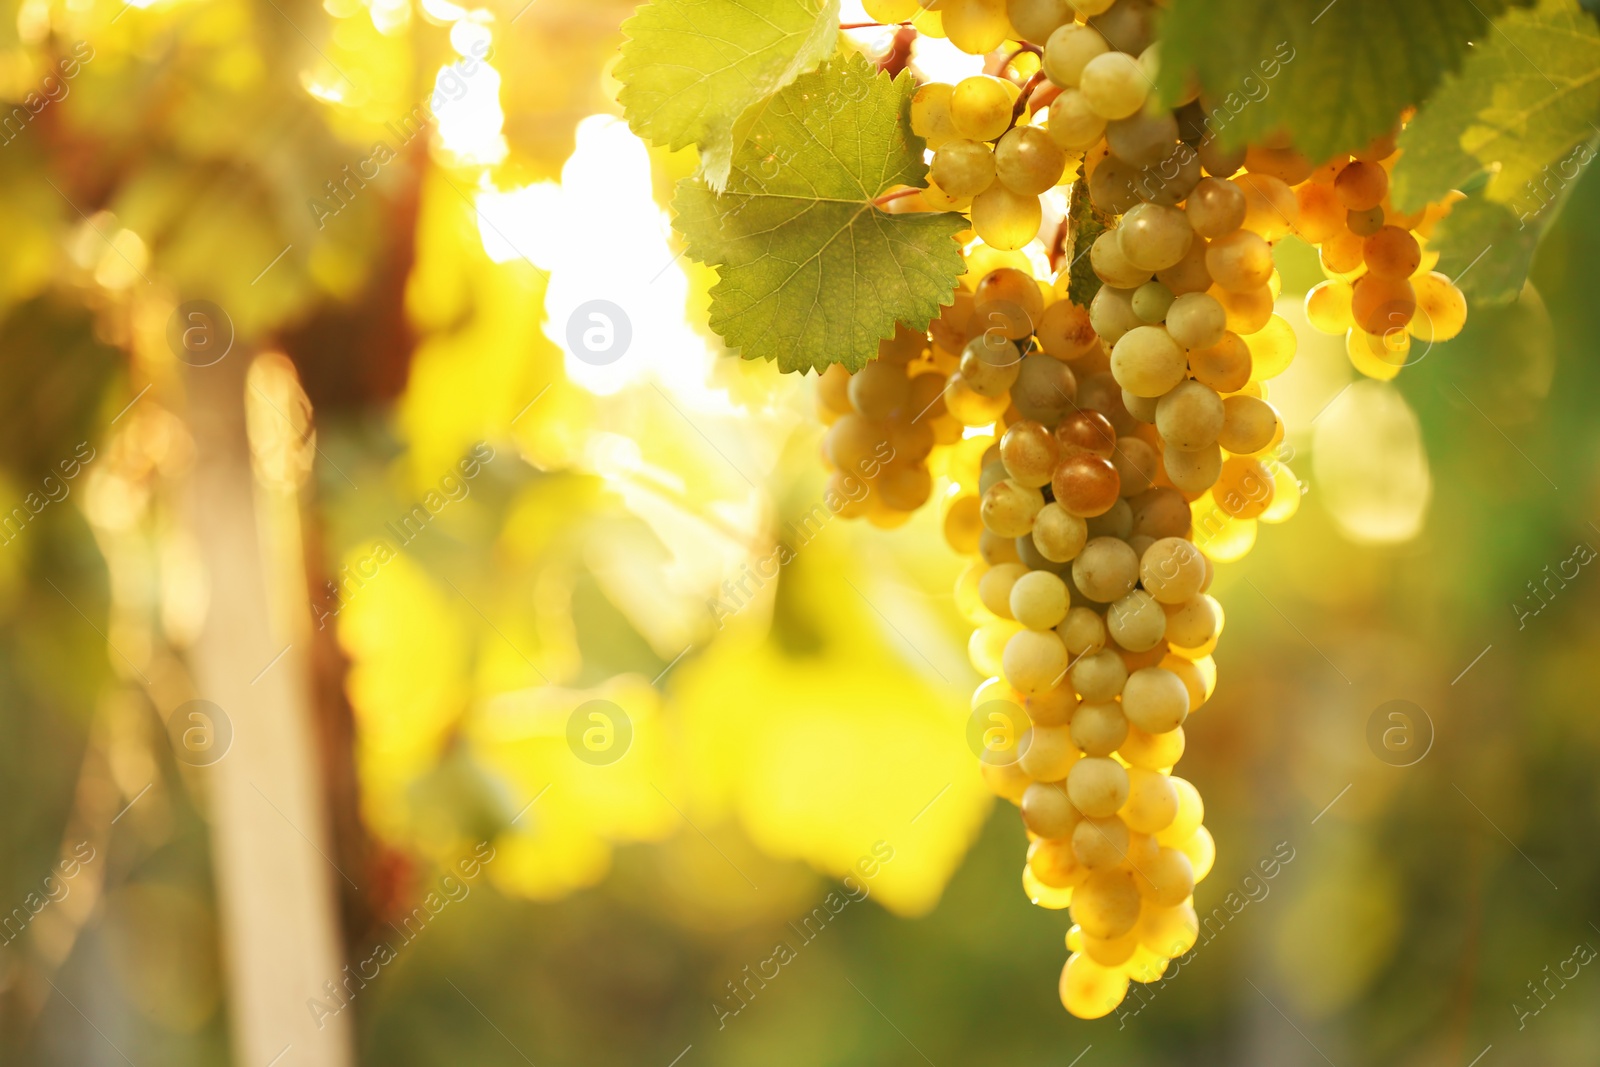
(930,114)
(1328,307)
(1005,220)
(980,107)
(976,26)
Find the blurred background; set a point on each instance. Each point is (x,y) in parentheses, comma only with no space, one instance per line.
(383,684)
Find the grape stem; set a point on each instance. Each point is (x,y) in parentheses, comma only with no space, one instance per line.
(896,195)
(1024,97)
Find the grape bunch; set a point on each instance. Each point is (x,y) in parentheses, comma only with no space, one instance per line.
(1097,463)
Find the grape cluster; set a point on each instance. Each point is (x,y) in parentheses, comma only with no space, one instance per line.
(1098,462)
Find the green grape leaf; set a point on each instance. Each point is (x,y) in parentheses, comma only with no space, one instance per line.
(1333,75)
(811,272)
(690,68)
(1488,247)
(1526,96)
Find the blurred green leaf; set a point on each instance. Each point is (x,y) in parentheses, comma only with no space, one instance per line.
(1334,75)
(1529,92)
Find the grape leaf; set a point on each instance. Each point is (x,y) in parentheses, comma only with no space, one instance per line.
(690,68)
(1527,95)
(811,272)
(1488,247)
(1334,75)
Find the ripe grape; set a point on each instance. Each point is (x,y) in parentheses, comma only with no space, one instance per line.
(1173,571)
(1027,161)
(1328,307)
(1146,361)
(1068,50)
(1065,331)
(1048,753)
(990,364)
(1045,389)
(963,168)
(1090,990)
(1270,205)
(975,26)
(1392,253)
(1152,801)
(1030,453)
(1058,534)
(1087,430)
(1114,84)
(1155,700)
(1097,787)
(1216,208)
(879,389)
(1003,219)
(1196,320)
(1111,264)
(1136,622)
(1193,472)
(1105,570)
(1142,139)
(1189,274)
(1034,661)
(1098,728)
(1036,20)
(980,107)
(1248,424)
(1240,262)
(1009,508)
(1153,237)
(1441,309)
(1073,124)
(930,114)
(1085,484)
(1047,811)
(1190,416)
(1039,600)
(1361,186)
(1379,305)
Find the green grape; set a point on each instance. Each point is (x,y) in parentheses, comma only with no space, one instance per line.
(1193,472)
(1114,84)
(963,168)
(1035,661)
(1111,264)
(1069,50)
(990,364)
(1189,417)
(1105,571)
(1036,20)
(1027,161)
(1073,124)
(889,12)
(1151,302)
(1147,361)
(1196,320)
(1248,424)
(1195,622)
(1155,700)
(1172,570)
(1111,313)
(1005,220)
(1096,785)
(975,26)
(1137,623)
(1216,208)
(1142,139)
(1154,237)
(1039,600)
(930,114)
(980,106)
